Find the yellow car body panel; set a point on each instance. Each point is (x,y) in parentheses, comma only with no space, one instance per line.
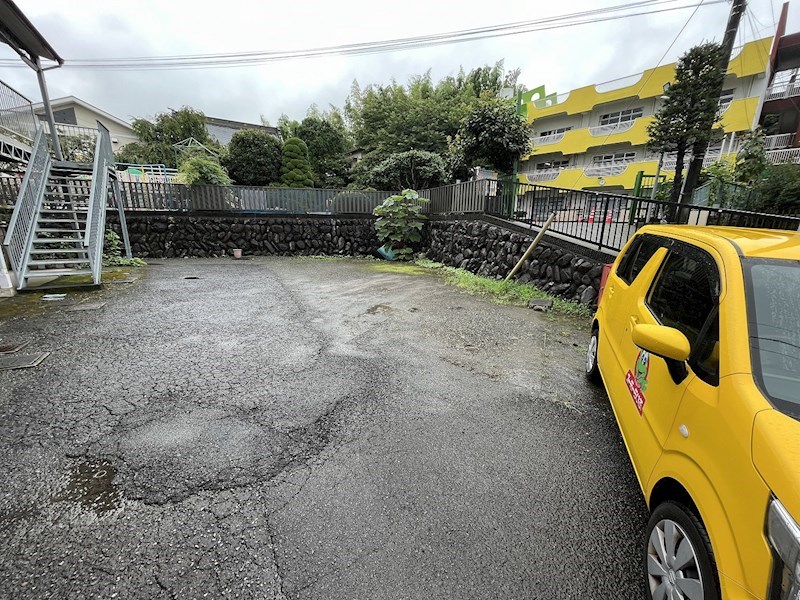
(723,442)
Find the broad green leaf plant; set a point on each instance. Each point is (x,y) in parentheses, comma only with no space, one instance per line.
(399,223)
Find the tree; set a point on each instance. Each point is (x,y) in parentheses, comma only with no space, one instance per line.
(420,115)
(254,157)
(203,170)
(493,135)
(156,138)
(684,121)
(778,190)
(751,160)
(416,169)
(328,145)
(295,168)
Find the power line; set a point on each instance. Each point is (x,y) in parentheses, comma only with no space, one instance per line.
(209,61)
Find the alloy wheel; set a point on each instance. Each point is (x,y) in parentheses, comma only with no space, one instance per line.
(672,564)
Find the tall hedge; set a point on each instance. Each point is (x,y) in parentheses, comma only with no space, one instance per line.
(295,168)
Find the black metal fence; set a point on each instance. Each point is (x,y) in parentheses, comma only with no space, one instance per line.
(606,221)
(594,220)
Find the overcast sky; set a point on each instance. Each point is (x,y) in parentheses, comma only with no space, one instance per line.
(561,60)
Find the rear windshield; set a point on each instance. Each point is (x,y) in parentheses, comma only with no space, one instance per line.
(773,307)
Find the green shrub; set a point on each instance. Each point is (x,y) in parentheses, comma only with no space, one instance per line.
(112,252)
(253,158)
(399,223)
(202,170)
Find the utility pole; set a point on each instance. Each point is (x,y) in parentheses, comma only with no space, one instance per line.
(699,148)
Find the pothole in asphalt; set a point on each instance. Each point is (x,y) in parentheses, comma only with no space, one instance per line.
(378,309)
(178,454)
(91,484)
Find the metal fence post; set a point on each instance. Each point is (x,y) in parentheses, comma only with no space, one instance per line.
(603,225)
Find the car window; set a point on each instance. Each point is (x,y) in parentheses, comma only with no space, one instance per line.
(640,251)
(684,296)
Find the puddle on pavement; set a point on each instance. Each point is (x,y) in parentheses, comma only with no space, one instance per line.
(91,484)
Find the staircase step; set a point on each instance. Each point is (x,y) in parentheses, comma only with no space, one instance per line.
(59,251)
(64,210)
(54,230)
(43,262)
(57,272)
(57,240)
(56,220)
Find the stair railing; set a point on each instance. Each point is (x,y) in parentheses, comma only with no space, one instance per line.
(21,228)
(98,199)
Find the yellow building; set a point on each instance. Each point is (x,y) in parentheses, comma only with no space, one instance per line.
(595,137)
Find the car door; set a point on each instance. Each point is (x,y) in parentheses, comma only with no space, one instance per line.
(684,295)
(626,287)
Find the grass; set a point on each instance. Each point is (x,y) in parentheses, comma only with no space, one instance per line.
(503,292)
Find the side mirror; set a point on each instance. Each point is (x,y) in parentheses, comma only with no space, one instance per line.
(666,342)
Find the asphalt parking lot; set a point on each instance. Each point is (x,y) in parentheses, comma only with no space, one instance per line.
(295,428)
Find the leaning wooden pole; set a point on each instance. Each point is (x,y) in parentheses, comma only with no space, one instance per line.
(533,245)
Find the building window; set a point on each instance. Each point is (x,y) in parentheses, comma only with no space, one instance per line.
(620,116)
(613,159)
(552,164)
(555,131)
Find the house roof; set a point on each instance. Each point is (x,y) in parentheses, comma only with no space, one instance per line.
(70,100)
(19,33)
(240,125)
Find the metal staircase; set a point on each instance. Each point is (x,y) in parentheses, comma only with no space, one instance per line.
(58,225)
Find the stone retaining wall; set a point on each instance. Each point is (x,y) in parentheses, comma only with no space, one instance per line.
(169,235)
(476,246)
(492,251)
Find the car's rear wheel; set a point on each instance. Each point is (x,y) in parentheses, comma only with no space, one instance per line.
(680,562)
(592,371)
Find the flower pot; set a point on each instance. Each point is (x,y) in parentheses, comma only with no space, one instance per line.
(386,252)
(237,253)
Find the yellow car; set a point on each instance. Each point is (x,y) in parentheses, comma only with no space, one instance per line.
(697,341)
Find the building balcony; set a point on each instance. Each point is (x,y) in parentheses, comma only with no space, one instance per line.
(602,130)
(778,142)
(606,169)
(543,175)
(544,140)
(785,156)
(779,91)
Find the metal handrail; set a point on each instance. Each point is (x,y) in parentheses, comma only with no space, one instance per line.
(16,114)
(98,199)
(20,229)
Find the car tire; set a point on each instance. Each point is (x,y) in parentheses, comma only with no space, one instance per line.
(678,554)
(592,370)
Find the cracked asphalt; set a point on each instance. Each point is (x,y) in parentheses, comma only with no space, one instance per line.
(297,428)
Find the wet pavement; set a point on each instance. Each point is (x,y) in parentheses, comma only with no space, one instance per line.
(295,428)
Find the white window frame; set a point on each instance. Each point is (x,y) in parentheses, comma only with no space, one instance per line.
(613,159)
(621,116)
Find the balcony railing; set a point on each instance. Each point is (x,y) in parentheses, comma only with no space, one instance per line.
(610,128)
(610,168)
(788,89)
(543,140)
(543,174)
(16,115)
(786,156)
(778,142)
